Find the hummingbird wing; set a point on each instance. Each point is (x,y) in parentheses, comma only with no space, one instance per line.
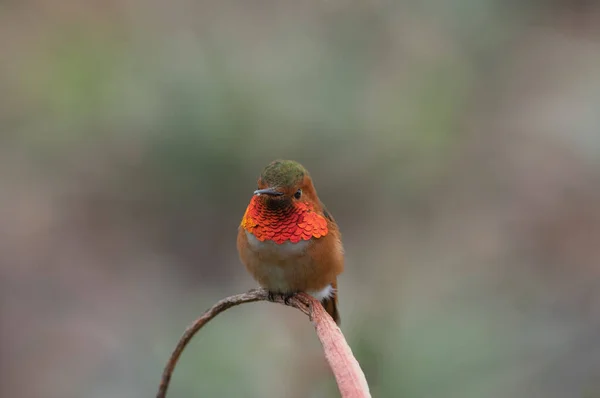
(326,213)
(331,303)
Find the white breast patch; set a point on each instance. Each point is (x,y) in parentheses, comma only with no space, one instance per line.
(283,250)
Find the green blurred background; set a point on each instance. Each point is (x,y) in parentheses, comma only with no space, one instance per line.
(456,142)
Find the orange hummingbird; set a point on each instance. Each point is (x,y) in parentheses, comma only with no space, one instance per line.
(288,240)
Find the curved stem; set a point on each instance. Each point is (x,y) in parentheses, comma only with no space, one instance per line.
(348,374)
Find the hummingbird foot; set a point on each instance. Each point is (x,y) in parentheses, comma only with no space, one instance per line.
(286,296)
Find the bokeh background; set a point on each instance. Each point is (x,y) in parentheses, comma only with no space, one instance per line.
(457,143)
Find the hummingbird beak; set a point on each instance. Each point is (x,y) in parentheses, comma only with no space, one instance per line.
(268,191)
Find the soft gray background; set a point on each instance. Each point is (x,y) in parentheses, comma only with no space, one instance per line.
(456,142)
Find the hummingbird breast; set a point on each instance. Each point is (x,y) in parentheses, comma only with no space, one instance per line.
(281,267)
(290,248)
(280,251)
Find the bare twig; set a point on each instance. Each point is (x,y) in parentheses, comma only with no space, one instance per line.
(350,379)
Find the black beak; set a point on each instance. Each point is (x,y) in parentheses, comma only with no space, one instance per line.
(268,191)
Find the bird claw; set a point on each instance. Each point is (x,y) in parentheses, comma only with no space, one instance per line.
(286,296)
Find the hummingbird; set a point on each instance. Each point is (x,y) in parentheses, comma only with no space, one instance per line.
(287,239)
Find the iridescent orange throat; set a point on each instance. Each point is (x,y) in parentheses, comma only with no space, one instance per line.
(295,222)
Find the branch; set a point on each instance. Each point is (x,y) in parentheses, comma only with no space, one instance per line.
(349,377)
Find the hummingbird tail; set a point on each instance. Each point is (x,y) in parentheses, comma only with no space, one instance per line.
(330,304)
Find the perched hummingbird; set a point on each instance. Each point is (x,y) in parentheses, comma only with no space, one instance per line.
(288,240)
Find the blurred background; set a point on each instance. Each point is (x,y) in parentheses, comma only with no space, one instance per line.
(457,143)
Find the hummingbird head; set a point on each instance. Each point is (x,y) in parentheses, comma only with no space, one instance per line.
(284,181)
(285,206)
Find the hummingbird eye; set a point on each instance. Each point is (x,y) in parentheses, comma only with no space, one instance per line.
(298,194)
